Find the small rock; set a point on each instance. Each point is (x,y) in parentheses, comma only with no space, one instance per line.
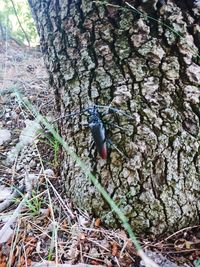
(160,260)
(5,135)
(29,133)
(28,158)
(18,167)
(9,123)
(14,115)
(94,252)
(7,115)
(32,164)
(49,172)
(5,192)
(12,95)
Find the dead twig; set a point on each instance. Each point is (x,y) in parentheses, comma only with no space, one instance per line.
(9,201)
(13,218)
(176,233)
(52,264)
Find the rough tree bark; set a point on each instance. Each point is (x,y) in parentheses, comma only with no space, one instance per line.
(99,53)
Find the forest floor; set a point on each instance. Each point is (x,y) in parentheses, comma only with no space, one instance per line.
(39,226)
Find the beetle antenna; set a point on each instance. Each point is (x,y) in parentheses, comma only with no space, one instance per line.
(116,126)
(115,110)
(72,114)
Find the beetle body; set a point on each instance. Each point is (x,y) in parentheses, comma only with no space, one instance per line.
(97,126)
(98,131)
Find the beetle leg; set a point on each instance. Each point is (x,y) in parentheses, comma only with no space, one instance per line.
(115,147)
(116,126)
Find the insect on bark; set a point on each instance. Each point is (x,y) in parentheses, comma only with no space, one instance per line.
(97,126)
(98,131)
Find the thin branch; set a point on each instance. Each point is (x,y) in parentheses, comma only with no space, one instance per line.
(11,199)
(52,264)
(25,34)
(14,216)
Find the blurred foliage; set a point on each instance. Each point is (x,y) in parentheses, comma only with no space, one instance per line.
(9,25)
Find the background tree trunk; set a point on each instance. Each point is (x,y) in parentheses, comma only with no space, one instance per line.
(103,54)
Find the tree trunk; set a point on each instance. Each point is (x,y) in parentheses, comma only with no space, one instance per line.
(108,54)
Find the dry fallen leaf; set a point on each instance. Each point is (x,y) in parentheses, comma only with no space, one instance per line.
(97,222)
(115,248)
